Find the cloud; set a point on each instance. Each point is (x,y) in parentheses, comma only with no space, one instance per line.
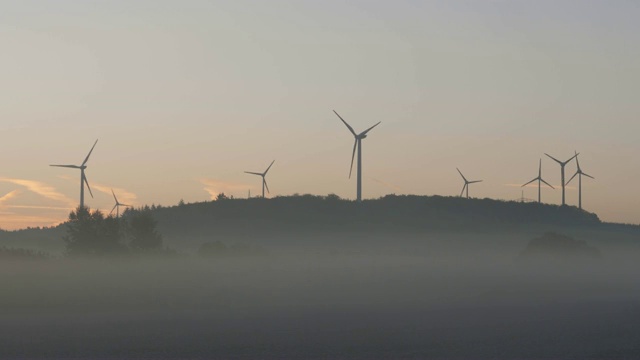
(9,196)
(10,221)
(41,189)
(39,207)
(215,187)
(389,185)
(124,196)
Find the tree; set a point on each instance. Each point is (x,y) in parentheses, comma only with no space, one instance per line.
(143,233)
(91,233)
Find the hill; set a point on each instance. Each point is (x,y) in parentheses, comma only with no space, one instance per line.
(301,216)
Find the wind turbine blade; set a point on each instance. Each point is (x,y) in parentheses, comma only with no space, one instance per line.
(84,177)
(67,166)
(253,173)
(114,207)
(476,181)
(266,171)
(574,175)
(464,178)
(551,186)
(463,187)
(353,156)
(573,157)
(577,161)
(540,169)
(529,182)
(265,185)
(554,159)
(348,126)
(89,154)
(369,129)
(114,196)
(587,175)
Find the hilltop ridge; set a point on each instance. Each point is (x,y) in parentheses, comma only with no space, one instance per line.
(296,216)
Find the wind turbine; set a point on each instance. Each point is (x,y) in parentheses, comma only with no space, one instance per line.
(83,177)
(116,207)
(562,165)
(540,181)
(579,173)
(264,181)
(357,144)
(466,183)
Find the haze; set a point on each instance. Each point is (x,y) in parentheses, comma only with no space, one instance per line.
(185,96)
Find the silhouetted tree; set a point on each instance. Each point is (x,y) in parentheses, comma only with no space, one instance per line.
(221,196)
(91,233)
(142,229)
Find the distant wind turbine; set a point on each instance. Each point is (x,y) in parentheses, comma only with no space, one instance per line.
(562,165)
(116,207)
(264,181)
(579,173)
(523,199)
(466,183)
(83,177)
(540,181)
(357,144)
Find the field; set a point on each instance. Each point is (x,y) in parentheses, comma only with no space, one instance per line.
(317,304)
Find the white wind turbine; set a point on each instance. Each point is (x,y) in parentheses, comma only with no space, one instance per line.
(263,175)
(116,207)
(466,183)
(357,144)
(562,165)
(579,173)
(83,177)
(540,181)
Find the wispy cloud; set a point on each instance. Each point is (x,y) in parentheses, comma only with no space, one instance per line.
(389,185)
(41,189)
(37,207)
(215,187)
(9,196)
(10,221)
(124,196)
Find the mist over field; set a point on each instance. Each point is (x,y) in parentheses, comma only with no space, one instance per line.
(447,297)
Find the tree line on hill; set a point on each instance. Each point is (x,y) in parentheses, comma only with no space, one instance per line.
(91,233)
(392,213)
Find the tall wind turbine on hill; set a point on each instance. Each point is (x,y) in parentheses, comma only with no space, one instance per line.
(357,144)
(466,183)
(116,207)
(540,181)
(579,173)
(83,177)
(562,165)
(264,181)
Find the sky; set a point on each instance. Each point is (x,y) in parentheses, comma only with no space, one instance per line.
(184,96)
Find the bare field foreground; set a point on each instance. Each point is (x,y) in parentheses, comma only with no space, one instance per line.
(321,305)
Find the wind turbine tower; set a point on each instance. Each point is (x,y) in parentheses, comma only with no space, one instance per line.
(357,145)
(562,165)
(540,181)
(466,183)
(83,177)
(579,173)
(264,181)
